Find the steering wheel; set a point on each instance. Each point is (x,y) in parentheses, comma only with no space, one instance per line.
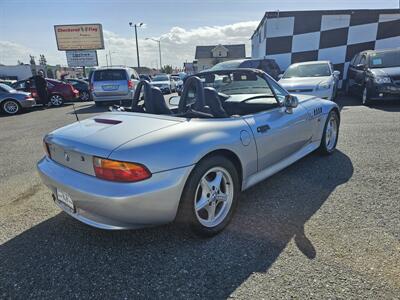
(192,83)
(145,85)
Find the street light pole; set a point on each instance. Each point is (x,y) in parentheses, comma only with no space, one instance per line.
(159,48)
(137,45)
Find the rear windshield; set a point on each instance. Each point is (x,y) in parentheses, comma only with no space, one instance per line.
(307,70)
(226,65)
(385,59)
(106,75)
(161,78)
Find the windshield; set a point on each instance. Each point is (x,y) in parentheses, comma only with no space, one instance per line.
(161,78)
(307,70)
(236,82)
(6,87)
(385,59)
(226,65)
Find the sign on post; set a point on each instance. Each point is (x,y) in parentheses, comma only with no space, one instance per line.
(79,37)
(83,58)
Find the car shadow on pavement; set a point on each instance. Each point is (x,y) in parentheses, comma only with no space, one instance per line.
(63,258)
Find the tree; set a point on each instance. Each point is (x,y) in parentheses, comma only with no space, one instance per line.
(32,60)
(42,60)
(166,69)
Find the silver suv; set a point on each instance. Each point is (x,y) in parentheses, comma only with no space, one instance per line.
(113,84)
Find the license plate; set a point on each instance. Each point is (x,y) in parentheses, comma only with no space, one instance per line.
(65,199)
(110,87)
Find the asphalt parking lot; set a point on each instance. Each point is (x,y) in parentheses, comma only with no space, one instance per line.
(326,227)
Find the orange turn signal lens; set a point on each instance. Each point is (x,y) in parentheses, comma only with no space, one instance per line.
(121,171)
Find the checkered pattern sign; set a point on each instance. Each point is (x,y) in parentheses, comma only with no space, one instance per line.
(290,37)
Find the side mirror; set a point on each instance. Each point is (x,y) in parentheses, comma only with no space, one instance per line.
(290,102)
(360,67)
(174,100)
(280,76)
(336,73)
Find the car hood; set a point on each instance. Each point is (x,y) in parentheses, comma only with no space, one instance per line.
(394,71)
(102,134)
(297,82)
(159,82)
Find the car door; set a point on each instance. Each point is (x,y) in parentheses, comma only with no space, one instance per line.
(351,72)
(279,134)
(359,77)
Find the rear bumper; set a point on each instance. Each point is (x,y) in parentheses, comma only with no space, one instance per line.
(27,103)
(111,205)
(102,98)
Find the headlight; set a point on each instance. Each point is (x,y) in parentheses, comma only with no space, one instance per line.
(324,85)
(382,79)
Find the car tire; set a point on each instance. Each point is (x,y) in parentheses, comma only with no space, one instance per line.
(56,100)
(209,198)
(84,96)
(365,96)
(331,134)
(11,107)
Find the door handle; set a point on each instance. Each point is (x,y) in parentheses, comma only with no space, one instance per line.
(263,128)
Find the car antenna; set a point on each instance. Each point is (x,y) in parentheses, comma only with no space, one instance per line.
(76,115)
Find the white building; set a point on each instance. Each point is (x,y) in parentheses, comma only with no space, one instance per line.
(208,56)
(334,35)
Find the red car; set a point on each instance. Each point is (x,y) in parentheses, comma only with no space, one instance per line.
(59,92)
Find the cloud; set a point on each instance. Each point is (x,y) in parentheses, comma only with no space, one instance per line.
(177,45)
(11,52)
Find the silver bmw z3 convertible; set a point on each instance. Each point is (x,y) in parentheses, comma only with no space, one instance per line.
(153,163)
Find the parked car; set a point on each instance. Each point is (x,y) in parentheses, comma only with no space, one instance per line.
(113,84)
(82,86)
(145,77)
(164,82)
(228,131)
(178,83)
(59,92)
(374,75)
(13,101)
(269,66)
(317,78)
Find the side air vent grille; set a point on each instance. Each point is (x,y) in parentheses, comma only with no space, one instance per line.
(317,111)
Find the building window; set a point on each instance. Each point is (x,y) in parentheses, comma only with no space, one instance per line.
(219,53)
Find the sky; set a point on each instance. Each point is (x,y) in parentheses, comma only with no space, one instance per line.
(26,26)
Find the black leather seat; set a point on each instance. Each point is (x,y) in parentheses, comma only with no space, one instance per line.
(156,103)
(214,103)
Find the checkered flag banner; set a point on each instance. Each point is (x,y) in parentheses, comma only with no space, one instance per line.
(337,35)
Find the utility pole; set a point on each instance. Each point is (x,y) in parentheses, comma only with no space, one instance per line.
(159,48)
(137,45)
(107,59)
(109,54)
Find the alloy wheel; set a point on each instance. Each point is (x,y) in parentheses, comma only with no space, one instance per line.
(11,107)
(56,100)
(84,96)
(214,197)
(331,133)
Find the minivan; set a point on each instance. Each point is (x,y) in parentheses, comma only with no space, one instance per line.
(113,84)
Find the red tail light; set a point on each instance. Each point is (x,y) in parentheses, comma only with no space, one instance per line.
(119,171)
(34,94)
(131,85)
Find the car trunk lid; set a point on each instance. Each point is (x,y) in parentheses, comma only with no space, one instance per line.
(75,145)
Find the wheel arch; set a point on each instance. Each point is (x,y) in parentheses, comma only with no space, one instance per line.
(232,156)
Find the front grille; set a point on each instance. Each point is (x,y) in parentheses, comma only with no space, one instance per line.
(300,91)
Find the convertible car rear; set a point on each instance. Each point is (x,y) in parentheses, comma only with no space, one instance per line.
(151,164)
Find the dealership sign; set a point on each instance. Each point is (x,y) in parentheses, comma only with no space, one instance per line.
(83,58)
(79,37)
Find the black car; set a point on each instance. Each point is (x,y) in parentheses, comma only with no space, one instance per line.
(269,66)
(374,75)
(145,77)
(82,86)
